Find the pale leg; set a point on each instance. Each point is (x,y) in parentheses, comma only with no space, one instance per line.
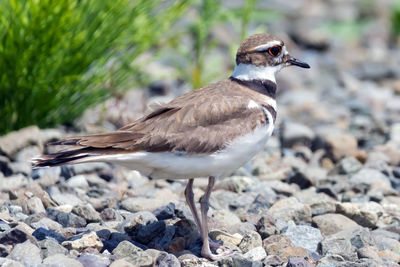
(190,201)
(204,203)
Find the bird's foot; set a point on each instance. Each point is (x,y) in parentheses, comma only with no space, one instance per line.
(222,251)
(226,252)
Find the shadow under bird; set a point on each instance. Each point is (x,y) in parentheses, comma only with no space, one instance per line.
(208,132)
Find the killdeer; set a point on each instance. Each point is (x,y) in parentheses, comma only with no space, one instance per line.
(209,132)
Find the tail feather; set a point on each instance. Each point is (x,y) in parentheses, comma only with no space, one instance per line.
(61,158)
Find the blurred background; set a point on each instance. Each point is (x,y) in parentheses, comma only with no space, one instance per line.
(59,59)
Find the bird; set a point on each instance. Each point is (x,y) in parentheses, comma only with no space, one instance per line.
(207,132)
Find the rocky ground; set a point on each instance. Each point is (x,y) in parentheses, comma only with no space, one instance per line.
(324,192)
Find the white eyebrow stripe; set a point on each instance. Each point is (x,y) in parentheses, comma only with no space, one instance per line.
(267,45)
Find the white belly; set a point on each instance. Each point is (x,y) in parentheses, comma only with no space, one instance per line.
(167,165)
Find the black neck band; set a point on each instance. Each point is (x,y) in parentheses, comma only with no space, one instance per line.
(265,87)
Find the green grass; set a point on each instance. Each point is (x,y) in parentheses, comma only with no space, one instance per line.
(396,19)
(59,57)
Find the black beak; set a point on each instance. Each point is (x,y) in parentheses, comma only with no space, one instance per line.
(296,62)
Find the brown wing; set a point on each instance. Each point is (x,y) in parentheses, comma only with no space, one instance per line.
(201,121)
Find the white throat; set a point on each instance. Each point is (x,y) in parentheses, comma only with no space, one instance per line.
(248,72)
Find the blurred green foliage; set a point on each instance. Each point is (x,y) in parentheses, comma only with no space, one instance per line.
(396,19)
(207,16)
(59,57)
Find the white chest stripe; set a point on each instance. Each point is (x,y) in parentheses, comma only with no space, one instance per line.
(248,72)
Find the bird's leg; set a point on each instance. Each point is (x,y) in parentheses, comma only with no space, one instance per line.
(204,203)
(190,201)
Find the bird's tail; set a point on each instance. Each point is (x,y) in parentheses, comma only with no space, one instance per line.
(61,158)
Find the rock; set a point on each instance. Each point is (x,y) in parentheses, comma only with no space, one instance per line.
(368,252)
(176,245)
(35,205)
(89,167)
(389,255)
(62,261)
(94,260)
(121,263)
(301,179)
(242,228)
(266,226)
(24,168)
(63,198)
(332,223)
(4,250)
(66,219)
(133,254)
(304,236)
(320,203)
(291,252)
(5,167)
(243,202)
(13,182)
(238,260)
(225,217)
(110,214)
(165,212)
(87,212)
(281,187)
(250,240)
(78,181)
(14,236)
(10,263)
(89,240)
(50,247)
(135,222)
(237,184)
(26,253)
(395,132)
(274,244)
(341,145)
(150,231)
(225,238)
(15,141)
(390,231)
(291,209)
(368,177)
(365,214)
(383,243)
(348,165)
(141,204)
(114,239)
(296,134)
(168,236)
(190,260)
(4,226)
(262,202)
(42,234)
(346,242)
(273,260)
(27,153)
(47,224)
(298,262)
(166,260)
(15,209)
(255,254)
(221,199)
(47,176)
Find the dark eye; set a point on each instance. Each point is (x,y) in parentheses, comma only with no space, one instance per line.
(275,51)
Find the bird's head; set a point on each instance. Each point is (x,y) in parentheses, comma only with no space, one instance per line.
(260,56)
